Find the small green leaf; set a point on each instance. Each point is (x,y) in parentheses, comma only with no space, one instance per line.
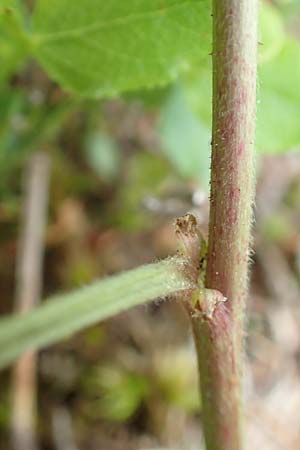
(66,314)
(100,48)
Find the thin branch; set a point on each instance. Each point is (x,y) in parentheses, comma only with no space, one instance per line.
(28,281)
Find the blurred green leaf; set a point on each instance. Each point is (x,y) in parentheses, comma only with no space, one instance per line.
(14,41)
(78,270)
(282,74)
(278,107)
(26,125)
(116,393)
(177,378)
(278,111)
(103,155)
(104,48)
(271,32)
(145,176)
(290,10)
(185,139)
(276,228)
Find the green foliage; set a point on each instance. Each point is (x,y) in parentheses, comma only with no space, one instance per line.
(279,100)
(5,409)
(103,155)
(103,48)
(278,107)
(81,269)
(66,314)
(272,34)
(276,228)
(25,125)
(290,9)
(185,139)
(14,41)
(145,175)
(115,393)
(176,378)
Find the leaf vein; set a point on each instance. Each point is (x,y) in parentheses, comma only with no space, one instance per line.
(99,25)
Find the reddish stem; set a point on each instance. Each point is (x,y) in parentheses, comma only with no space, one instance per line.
(220,340)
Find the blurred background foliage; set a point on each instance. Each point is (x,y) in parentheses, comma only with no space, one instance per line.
(123,167)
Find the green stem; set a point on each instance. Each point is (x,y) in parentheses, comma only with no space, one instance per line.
(63,315)
(220,340)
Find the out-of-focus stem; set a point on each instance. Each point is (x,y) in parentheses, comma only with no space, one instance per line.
(28,282)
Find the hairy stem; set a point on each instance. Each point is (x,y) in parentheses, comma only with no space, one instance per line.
(232,188)
(232,176)
(218,379)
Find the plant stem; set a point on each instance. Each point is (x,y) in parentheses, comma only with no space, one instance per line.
(220,340)
(232,175)
(29,280)
(60,317)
